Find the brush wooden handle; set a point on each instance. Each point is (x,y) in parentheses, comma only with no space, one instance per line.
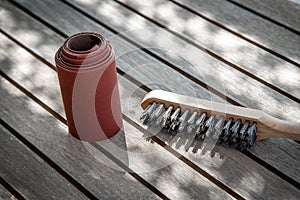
(267,126)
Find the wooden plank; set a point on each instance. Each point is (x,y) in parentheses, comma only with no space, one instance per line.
(247,56)
(139,152)
(285,12)
(263,96)
(222,174)
(88,168)
(29,174)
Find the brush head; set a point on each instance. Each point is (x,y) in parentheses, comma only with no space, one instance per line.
(225,124)
(230,133)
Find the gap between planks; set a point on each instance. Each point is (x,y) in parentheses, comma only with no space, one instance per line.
(9,188)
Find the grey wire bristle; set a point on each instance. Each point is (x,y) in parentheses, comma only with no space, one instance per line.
(183,120)
(147,113)
(228,133)
(225,135)
(218,128)
(166,118)
(175,121)
(201,122)
(209,126)
(234,132)
(191,124)
(156,114)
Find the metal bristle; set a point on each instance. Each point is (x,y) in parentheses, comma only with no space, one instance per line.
(209,126)
(147,113)
(191,124)
(183,120)
(251,135)
(159,120)
(234,132)
(156,114)
(166,118)
(175,121)
(225,135)
(248,140)
(218,128)
(229,133)
(200,122)
(241,136)
(243,130)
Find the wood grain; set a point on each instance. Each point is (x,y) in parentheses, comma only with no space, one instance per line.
(140,152)
(150,70)
(285,12)
(92,169)
(234,84)
(29,174)
(227,165)
(248,24)
(263,96)
(241,53)
(189,174)
(176,185)
(255,95)
(130,105)
(208,162)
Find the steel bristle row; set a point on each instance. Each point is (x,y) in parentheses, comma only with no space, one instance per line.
(228,133)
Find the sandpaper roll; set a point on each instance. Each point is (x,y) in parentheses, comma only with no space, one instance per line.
(87,75)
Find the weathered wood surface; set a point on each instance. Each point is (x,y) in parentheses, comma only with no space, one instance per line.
(171,176)
(28,173)
(222,11)
(285,12)
(162,162)
(235,170)
(228,80)
(247,56)
(251,26)
(92,169)
(150,65)
(231,164)
(273,157)
(230,47)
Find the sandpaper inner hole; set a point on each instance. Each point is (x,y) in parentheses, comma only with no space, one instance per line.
(83,42)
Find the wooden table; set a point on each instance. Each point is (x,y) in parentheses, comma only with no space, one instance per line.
(239,52)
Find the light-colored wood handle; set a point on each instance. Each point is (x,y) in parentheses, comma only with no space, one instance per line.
(267,126)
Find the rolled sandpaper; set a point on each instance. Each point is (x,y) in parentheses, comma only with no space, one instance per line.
(87,75)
